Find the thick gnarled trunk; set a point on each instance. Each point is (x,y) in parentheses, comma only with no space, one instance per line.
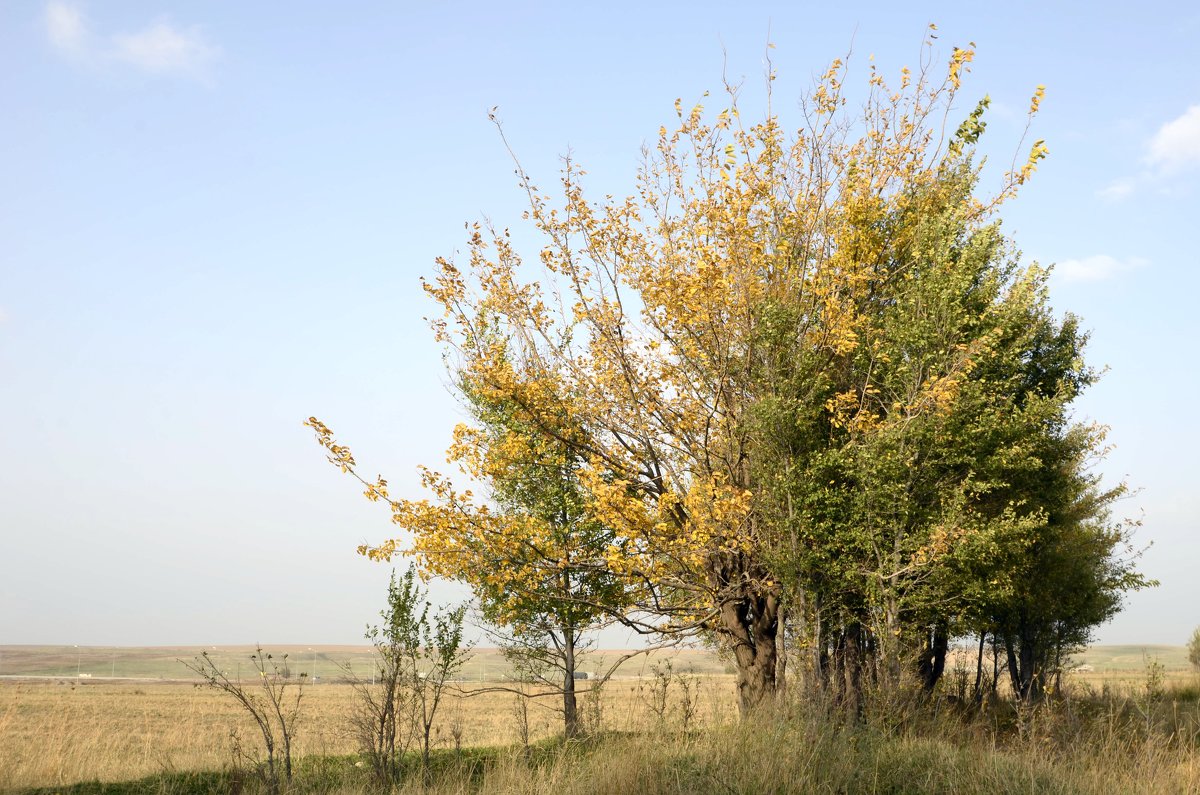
(750,624)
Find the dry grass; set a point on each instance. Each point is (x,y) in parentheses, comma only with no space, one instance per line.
(1108,736)
(59,732)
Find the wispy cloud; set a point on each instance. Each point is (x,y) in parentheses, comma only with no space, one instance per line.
(66,28)
(1172,151)
(1176,145)
(163,49)
(1096,268)
(1117,189)
(160,48)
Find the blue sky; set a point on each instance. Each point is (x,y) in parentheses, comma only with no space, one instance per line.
(213,218)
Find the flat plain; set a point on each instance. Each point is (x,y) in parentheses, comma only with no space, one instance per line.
(64,719)
(321,662)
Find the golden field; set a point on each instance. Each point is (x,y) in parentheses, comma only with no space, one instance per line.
(59,732)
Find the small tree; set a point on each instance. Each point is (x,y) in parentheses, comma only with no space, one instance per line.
(443,653)
(417,657)
(1193,647)
(533,555)
(381,720)
(272,700)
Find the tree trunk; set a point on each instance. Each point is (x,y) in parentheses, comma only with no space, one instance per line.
(933,657)
(426,771)
(837,665)
(781,657)
(1057,665)
(821,662)
(1026,682)
(852,654)
(750,624)
(995,665)
(570,706)
(1014,673)
(976,692)
(804,638)
(1031,671)
(889,643)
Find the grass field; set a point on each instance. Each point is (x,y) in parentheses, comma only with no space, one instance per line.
(58,729)
(172,738)
(1133,658)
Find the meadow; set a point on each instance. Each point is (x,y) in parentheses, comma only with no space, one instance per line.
(59,727)
(62,731)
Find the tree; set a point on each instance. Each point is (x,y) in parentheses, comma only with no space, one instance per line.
(767,368)
(532,553)
(418,654)
(534,557)
(1193,647)
(945,487)
(870,459)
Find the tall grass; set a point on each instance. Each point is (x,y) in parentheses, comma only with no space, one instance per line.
(1134,738)
(1090,744)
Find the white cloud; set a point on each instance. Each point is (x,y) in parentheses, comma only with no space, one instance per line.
(66,28)
(160,48)
(1171,151)
(163,49)
(1117,189)
(1097,268)
(1176,145)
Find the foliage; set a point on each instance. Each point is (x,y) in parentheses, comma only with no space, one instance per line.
(1193,648)
(418,654)
(795,368)
(532,553)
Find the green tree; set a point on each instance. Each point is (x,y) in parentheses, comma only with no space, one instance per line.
(1193,647)
(533,553)
(529,547)
(418,653)
(928,481)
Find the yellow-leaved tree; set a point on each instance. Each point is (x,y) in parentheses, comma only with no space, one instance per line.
(637,345)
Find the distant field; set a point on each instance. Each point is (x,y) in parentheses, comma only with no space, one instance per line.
(486,664)
(1133,658)
(321,662)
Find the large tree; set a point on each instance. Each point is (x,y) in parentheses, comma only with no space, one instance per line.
(768,371)
(926,481)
